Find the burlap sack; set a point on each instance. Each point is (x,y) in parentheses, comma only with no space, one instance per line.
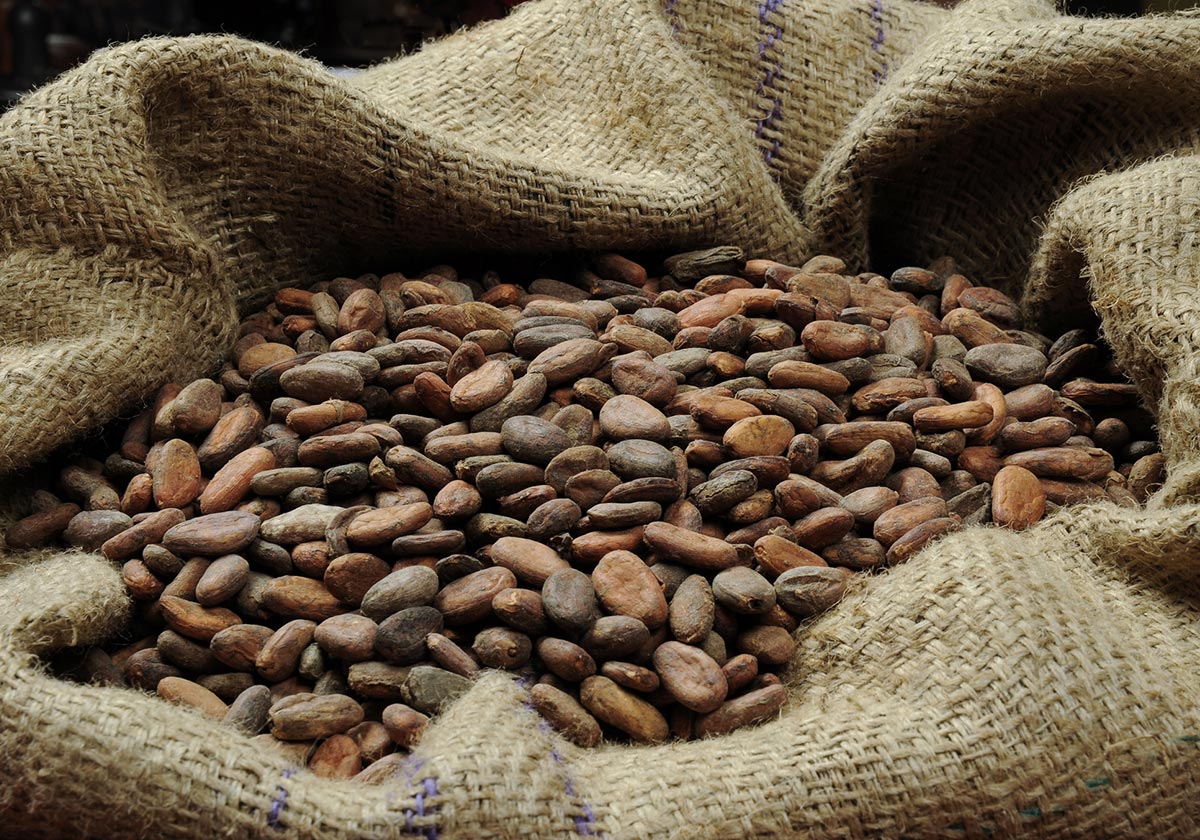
(1043,684)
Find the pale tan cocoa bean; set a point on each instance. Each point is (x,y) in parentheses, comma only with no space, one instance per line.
(901,519)
(810,590)
(212,535)
(868,467)
(1147,475)
(350,576)
(589,548)
(886,394)
(222,580)
(764,435)
(331,450)
(140,581)
(278,658)
(310,717)
(966,415)
(565,715)
(1100,393)
(176,475)
(920,536)
(832,340)
(1070,462)
(823,527)
(373,740)
(971,329)
(768,644)
(849,438)
(983,462)
(450,656)
(292,596)
(404,724)
(138,495)
(194,621)
(231,482)
(1036,434)
(776,555)
(349,638)
(338,756)
(258,357)
(752,707)
(238,646)
(691,676)
(530,561)
(1029,402)
(1018,500)
(469,598)
(743,591)
(233,432)
(303,524)
(796,374)
(626,586)
(868,504)
(615,706)
(690,549)
(187,693)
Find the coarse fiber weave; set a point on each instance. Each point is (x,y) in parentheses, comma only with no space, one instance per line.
(1043,684)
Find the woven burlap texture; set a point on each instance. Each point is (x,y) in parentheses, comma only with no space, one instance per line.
(1043,684)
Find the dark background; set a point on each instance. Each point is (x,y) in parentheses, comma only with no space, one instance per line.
(40,38)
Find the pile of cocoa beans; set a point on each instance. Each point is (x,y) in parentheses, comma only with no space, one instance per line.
(631,490)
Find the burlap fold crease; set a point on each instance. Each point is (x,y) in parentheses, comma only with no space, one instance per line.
(1042,684)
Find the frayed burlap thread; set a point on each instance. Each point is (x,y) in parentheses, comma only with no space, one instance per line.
(1043,684)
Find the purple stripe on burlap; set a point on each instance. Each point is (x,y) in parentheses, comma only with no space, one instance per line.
(770,42)
(585,822)
(672,14)
(427,789)
(278,803)
(878,38)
